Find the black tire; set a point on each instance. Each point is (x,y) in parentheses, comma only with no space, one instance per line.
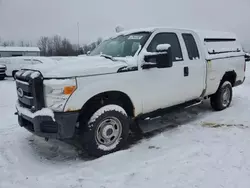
(2,77)
(93,132)
(217,101)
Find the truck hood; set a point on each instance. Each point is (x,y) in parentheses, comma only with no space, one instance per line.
(81,66)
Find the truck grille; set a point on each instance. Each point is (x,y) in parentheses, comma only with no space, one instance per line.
(2,70)
(29,85)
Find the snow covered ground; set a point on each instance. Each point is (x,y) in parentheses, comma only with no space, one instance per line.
(190,155)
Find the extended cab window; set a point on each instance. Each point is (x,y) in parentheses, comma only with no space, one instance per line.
(167,38)
(191,46)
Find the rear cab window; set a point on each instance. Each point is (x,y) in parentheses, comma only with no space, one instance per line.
(191,46)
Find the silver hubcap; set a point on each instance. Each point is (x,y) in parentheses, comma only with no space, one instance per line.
(226,97)
(108,131)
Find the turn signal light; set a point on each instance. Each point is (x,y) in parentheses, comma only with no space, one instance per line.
(68,90)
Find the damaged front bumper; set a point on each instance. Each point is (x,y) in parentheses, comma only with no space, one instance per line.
(48,124)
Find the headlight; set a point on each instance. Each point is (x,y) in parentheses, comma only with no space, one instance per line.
(57,92)
(3,67)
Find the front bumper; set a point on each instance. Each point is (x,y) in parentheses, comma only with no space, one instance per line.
(62,126)
(2,75)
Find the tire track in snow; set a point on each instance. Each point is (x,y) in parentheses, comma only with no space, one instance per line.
(6,154)
(10,129)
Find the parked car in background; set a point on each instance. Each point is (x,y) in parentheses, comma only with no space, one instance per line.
(2,72)
(14,64)
(247,56)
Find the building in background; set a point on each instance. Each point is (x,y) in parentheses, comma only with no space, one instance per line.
(19,51)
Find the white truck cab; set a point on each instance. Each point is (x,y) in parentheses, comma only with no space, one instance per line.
(129,79)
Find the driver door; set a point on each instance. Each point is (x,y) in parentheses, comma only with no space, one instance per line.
(162,87)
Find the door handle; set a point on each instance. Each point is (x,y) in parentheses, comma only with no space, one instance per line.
(186,71)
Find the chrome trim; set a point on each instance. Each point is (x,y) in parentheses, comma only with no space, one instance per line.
(27,97)
(22,82)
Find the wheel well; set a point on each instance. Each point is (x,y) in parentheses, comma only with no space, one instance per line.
(102,99)
(229,76)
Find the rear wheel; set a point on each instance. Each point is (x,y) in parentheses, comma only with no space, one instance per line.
(106,132)
(223,97)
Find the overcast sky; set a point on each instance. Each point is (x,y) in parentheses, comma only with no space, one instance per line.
(30,19)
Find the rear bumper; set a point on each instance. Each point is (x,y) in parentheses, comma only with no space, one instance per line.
(62,126)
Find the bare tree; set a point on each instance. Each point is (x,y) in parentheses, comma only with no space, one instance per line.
(56,46)
(43,44)
(57,43)
(8,43)
(21,43)
(28,44)
(5,43)
(50,48)
(67,48)
(99,40)
(12,43)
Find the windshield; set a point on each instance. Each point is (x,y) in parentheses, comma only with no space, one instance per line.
(122,46)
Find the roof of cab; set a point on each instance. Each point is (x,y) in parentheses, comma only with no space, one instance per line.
(201,33)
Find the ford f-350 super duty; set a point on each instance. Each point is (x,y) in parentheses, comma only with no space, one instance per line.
(127,80)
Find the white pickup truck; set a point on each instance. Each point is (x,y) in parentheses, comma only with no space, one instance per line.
(125,82)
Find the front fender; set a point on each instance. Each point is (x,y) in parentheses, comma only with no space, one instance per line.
(87,87)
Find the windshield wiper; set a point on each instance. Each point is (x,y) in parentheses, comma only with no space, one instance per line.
(107,57)
(112,58)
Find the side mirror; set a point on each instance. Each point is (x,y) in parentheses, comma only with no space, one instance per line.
(163,47)
(162,58)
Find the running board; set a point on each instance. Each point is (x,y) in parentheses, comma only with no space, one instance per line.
(151,122)
(195,104)
(150,125)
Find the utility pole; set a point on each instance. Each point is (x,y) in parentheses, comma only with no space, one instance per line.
(78,36)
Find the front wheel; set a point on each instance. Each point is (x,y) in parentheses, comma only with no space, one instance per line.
(106,131)
(223,97)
